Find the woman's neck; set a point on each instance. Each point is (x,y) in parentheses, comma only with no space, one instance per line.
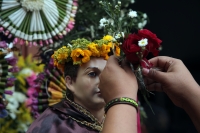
(98,114)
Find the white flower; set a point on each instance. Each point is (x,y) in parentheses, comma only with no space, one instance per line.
(119,2)
(119,35)
(26,71)
(132,14)
(110,21)
(13,103)
(142,24)
(144,15)
(143,42)
(103,22)
(132,1)
(20,97)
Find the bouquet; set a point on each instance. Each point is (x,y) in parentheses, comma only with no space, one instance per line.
(135,46)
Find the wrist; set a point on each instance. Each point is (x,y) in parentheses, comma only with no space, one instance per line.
(191,99)
(121,100)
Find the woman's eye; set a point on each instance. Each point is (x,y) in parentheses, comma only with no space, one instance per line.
(92,74)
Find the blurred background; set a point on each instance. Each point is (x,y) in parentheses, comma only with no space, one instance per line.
(177,23)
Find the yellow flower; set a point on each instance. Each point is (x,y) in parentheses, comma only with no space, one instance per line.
(117,50)
(93,47)
(76,55)
(105,49)
(61,54)
(86,56)
(108,38)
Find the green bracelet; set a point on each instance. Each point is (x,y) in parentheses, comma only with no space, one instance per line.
(121,100)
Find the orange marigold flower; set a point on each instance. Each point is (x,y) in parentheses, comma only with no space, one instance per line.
(75,54)
(105,49)
(86,56)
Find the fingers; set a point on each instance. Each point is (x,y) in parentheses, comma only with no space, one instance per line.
(155,75)
(152,85)
(162,62)
(155,87)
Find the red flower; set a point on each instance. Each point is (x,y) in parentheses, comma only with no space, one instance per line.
(134,53)
(153,41)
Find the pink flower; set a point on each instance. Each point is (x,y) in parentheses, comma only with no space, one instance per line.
(1,29)
(15,40)
(70,25)
(31,91)
(28,102)
(3,44)
(30,79)
(41,43)
(21,42)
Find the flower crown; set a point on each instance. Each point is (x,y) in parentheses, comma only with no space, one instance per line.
(81,50)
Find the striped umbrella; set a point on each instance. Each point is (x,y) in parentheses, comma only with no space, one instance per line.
(36,22)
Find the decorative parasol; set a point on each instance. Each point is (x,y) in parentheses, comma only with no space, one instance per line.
(36,22)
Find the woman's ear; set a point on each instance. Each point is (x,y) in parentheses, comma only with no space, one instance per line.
(69,83)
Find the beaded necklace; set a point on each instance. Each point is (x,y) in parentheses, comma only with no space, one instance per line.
(96,125)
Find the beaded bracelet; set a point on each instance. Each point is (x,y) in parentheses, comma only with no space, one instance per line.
(122,100)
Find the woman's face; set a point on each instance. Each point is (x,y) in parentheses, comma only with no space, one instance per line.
(85,88)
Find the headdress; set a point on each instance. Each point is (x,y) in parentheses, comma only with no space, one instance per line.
(81,50)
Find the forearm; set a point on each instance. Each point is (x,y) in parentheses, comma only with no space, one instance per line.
(121,118)
(192,107)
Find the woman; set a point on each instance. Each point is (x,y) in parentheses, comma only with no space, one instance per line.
(82,110)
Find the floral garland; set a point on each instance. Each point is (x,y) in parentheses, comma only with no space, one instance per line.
(81,50)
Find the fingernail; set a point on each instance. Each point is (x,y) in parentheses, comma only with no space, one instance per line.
(145,71)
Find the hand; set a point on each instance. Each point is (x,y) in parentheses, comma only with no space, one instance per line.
(116,81)
(174,79)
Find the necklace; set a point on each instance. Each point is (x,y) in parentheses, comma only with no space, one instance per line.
(96,125)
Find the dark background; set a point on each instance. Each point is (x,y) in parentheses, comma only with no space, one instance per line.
(177,24)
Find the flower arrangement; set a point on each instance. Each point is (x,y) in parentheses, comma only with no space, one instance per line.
(8,67)
(135,46)
(37,22)
(81,50)
(19,115)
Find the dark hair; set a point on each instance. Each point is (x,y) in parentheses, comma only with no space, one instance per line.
(70,70)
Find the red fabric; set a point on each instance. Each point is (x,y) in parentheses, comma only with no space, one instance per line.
(138,122)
